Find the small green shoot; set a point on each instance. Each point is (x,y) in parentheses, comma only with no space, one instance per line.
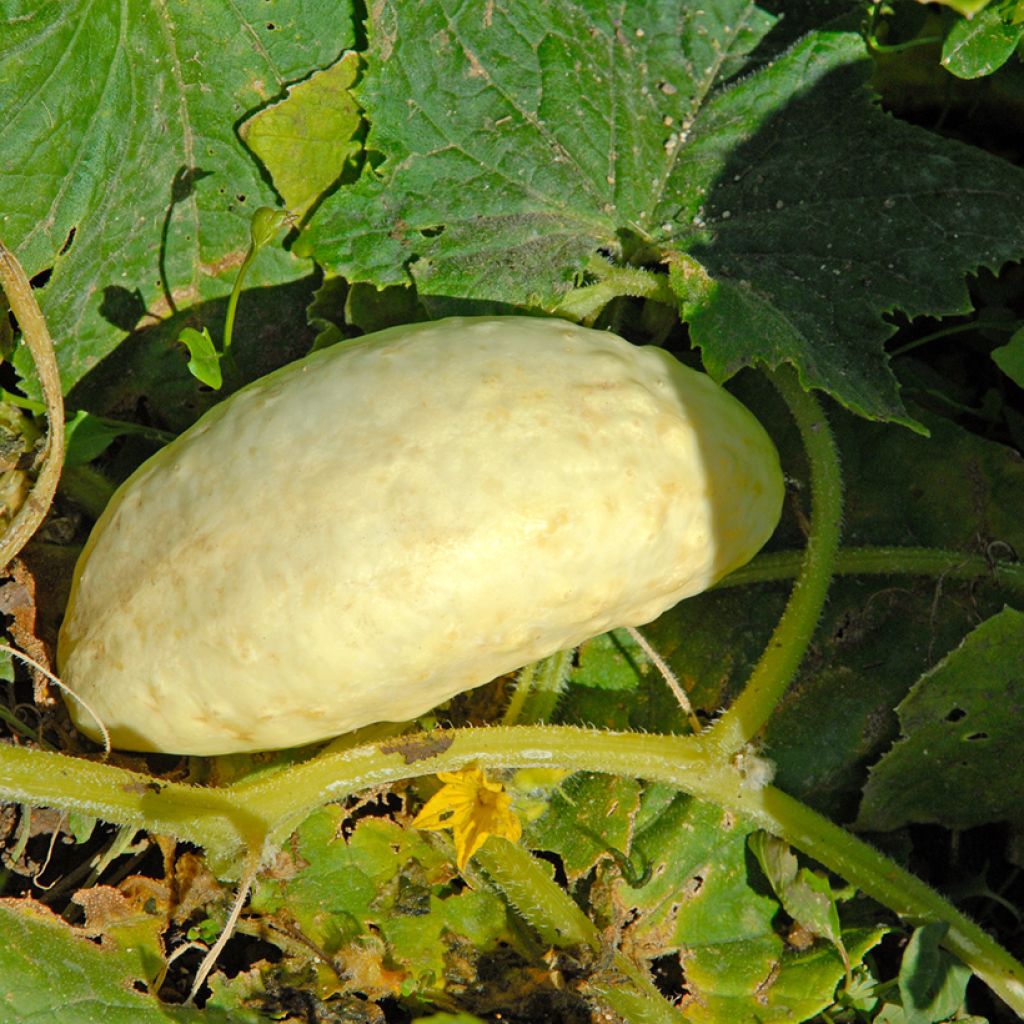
(204,359)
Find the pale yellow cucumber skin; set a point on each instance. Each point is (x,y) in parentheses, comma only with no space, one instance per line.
(379,526)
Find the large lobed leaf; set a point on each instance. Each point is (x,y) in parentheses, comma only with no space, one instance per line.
(519,139)
(517,143)
(121,169)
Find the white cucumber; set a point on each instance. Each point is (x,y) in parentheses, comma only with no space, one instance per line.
(379,526)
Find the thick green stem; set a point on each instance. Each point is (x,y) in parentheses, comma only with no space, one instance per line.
(212,818)
(261,813)
(537,898)
(884,561)
(785,651)
(903,893)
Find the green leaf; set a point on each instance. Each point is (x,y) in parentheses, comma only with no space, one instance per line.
(806,244)
(978,46)
(80,825)
(699,903)
(956,763)
(615,662)
(306,139)
(505,169)
(373,310)
(1010,358)
(88,436)
(50,972)
(932,983)
(966,7)
(379,902)
(805,896)
(611,661)
(810,901)
(123,170)
(589,818)
(512,140)
(204,359)
(777,859)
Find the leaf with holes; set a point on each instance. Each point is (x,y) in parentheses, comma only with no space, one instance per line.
(697,903)
(961,735)
(590,818)
(51,972)
(122,170)
(378,906)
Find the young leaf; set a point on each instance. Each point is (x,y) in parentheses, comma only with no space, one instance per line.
(978,46)
(1010,358)
(805,896)
(306,139)
(932,983)
(204,359)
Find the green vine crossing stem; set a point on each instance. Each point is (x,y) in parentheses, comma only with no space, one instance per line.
(261,813)
(788,644)
(558,920)
(885,561)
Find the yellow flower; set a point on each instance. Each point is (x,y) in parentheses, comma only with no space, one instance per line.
(473,807)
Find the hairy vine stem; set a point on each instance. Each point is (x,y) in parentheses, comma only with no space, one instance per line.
(788,644)
(259,814)
(885,561)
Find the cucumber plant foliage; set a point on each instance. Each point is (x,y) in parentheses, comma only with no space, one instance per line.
(732,181)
